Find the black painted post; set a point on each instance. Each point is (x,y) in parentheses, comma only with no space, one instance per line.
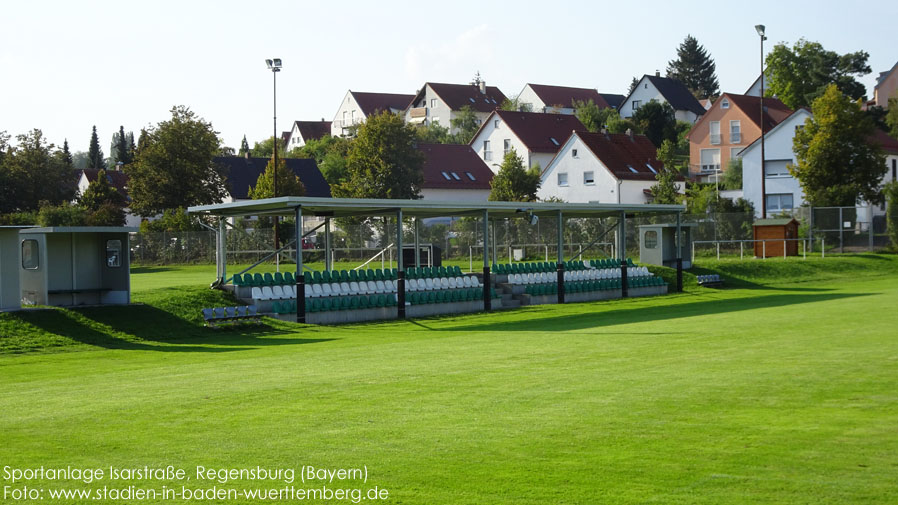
(400,276)
(623,254)
(300,279)
(559,266)
(679,242)
(487,300)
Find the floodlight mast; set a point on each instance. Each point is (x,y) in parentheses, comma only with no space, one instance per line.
(274,64)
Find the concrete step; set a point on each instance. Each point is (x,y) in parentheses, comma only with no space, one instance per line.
(510,303)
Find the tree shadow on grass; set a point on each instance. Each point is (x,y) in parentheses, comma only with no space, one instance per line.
(143,327)
(541,321)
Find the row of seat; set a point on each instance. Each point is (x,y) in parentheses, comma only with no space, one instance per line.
(708,279)
(578,275)
(432,272)
(212,316)
(595,285)
(610,263)
(266,279)
(337,303)
(456,295)
(428,284)
(368,275)
(363,288)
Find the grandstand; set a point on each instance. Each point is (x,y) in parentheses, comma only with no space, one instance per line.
(338,296)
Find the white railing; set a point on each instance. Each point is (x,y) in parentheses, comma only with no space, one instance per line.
(804,246)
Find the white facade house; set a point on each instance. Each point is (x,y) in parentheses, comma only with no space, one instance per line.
(303,131)
(603,168)
(663,89)
(783,191)
(358,105)
(441,103)
(117,179)
(755,88)
(557,99)
(534,136)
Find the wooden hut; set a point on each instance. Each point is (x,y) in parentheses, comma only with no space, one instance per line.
(779,235)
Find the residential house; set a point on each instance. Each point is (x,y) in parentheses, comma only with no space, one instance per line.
(117,179)
(613,100)
(558,99)
(663,89)
(358,105)
(455,173)
(886,87)
(727,127)
(535,136)
(783,192)
(755,88)
(304,131)
(603,168)
(241,173)
(440,103)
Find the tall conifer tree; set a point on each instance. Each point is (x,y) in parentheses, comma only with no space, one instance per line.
(695,68)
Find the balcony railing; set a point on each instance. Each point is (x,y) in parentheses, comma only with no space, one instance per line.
(416,112)
(715,139)
(346,123)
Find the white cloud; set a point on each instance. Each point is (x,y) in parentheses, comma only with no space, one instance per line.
(469,52)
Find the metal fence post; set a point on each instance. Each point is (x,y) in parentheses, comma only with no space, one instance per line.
(841,228)
(870,224)
(823,247)
(718,251)
(741,247)
(763,249)
(784,248)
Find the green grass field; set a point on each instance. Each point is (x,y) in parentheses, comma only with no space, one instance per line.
(782,388)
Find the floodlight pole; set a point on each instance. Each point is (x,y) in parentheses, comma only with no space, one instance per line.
(487,301)
(623,254)
(400,275)
(275,66)
(679,243)
(559,268)
(300,279)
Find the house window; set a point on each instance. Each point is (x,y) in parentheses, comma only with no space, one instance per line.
(495,123)
(487,154)
(589,177)
(573,153)
(506,145)
(777,202)
(894,170)
(651,168)
(554,141)
(715,132)
(30,255)
(777,168)
(472,100)
(725,104)
(455,176)
(470,176)
(446,176)
(735,132)
(650,239)
(562,179)
(433,103)
(633,169)
(710,160)
(636,104)
(113,253)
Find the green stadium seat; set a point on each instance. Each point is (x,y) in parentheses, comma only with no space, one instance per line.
(289,279)
(258,280)
(268,279)
(353,276)
(237,280)
(278,279)
(364,301)
(378,275)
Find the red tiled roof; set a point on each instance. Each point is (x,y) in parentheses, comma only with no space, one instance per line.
(619,152)
(457,96)
(456,159)
(563,96)
(536,130)
(886,142)
(313,129)
(374,103)
(775,110)
(118,180)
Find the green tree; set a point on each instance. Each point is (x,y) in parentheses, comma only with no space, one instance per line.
(695,68)
(798,75)
(837,165)
(175,168)
(99,192)
(892,117)
(700,197)
(33,172)
(263,149)
(593,117)
(66,155)
(891,194)
(329,153)
(732,176)
(515,105)
(466,123)
(657,121)
(514,183)
(665,190)
(617,124)
(142,141)
(633,83)
(244,147)
(383,161)
(95,157)
(121,150)
(288,182)
(435,133)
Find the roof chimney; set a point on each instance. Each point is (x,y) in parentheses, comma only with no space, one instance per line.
(246,154)
(657,73)
(482,85)
(629,133)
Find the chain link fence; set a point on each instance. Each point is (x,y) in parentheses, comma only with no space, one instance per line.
(838,229)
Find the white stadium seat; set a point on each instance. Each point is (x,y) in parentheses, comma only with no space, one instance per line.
(257,293)
(316,290)
(277,293)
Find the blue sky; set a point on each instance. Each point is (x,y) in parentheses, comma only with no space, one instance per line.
(67,65)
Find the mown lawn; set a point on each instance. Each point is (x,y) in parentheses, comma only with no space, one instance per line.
(780,390)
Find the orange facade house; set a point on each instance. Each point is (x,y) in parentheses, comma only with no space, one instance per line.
(730,125)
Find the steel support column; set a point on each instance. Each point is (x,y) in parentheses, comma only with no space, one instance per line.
(559,267)
(487,301)
(623,254)
(300,279)
(400,276)
(679,242)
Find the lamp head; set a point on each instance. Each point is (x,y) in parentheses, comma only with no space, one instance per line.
(760,29)
(274,64)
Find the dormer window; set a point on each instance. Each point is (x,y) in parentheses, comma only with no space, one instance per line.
(724,104)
